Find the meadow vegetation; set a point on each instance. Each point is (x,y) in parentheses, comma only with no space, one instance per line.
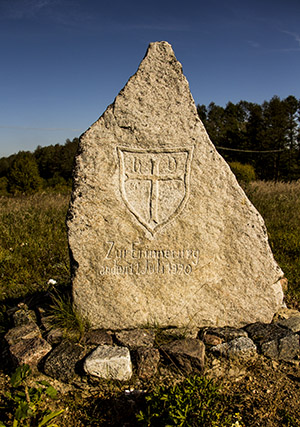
(33,243)
(33,250)
(279,204)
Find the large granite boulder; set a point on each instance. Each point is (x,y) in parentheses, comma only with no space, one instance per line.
(160,232)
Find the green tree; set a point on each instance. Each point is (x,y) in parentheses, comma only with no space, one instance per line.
(202,113)
(56,161)
(23,175)
(215,123)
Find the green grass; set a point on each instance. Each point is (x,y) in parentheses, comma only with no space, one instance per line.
(279,204)
(33,243)
(196,401)
(65,317)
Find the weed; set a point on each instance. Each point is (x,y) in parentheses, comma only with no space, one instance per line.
(65,317)
(196,401)
(27,404)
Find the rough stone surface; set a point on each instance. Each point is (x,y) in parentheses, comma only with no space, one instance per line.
(63,361)
(110,363)
(136,338)
(23,315)
(98,337)
(24,332)
(212,340)
(226,334)
(180,333)
(285,348)
(241,348)
(30,351)
(147,360)
(55,336)
(160,232)
(188,353)
(261,333)
(292,323)
(275,341)
(285,313)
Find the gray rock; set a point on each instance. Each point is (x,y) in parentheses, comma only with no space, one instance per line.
(23,315)
(242,348)
(147,360)
(261,333)
(160,232)
(227,333)
(274,341)
(285,348)
(97,337)
(112,363)
(29,351)
(188,353)
(63,363)
(292,323)
(136,338)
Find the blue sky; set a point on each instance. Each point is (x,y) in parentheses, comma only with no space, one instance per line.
(64,61)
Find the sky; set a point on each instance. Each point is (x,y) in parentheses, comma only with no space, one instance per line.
(62,62)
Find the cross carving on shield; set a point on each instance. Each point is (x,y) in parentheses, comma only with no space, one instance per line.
(154,184)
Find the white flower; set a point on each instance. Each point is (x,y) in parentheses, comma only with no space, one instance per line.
(51,282)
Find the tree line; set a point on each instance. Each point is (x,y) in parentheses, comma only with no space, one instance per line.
(264,137)
(46,168)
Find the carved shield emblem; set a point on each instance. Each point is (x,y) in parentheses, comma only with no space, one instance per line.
(155,184)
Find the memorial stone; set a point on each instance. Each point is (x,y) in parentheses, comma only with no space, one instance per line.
(160,232)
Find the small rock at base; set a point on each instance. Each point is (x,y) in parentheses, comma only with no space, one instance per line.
(136,338)
(29,351)
(62,361)
(147,360)
(23,332)
(241,348)
(212,340)
(292,323)
(109,362)
(227,333)
(188,353)
(97,337)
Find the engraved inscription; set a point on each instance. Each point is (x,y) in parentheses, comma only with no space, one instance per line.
(154,184)
(137,260)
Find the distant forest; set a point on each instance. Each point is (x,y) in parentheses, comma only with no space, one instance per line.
(264,137)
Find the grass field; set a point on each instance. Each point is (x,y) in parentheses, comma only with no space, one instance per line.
(33,250)
(33,241)
(279,204)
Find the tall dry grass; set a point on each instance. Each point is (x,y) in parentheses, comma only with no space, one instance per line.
(33,243)
(279,204)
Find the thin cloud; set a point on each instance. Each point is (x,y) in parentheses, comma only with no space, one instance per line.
(253,44)
(22,9)
(67,12)
(156,27)
(39,128)
(295,36)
